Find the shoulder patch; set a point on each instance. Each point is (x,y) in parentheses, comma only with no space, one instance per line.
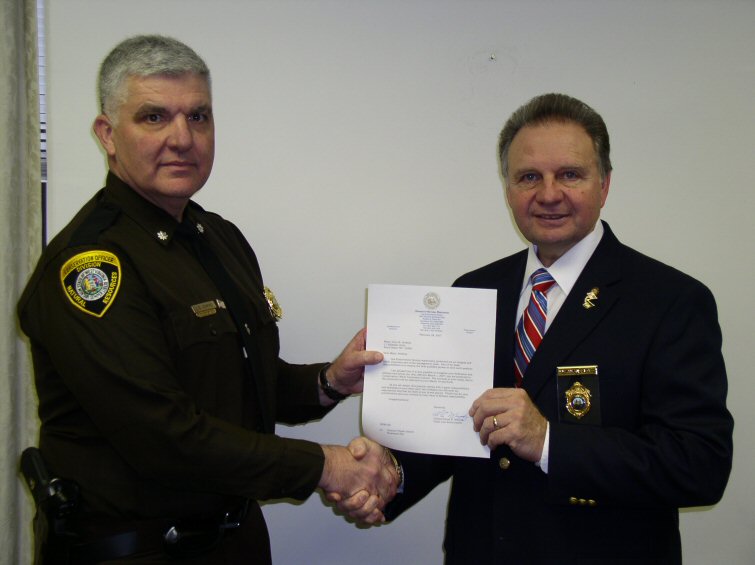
(91,281)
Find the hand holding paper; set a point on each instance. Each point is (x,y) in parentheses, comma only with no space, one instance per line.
(508,416)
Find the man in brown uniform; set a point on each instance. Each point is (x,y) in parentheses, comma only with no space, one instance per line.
(155,347)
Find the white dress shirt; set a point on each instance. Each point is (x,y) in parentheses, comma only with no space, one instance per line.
(565,271)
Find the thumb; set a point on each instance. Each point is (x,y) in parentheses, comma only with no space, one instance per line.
(358,447)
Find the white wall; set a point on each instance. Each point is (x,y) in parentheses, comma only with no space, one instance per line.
(356,144)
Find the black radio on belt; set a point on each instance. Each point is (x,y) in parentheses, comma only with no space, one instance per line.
(55,497)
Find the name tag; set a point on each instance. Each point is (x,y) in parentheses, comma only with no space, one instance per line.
(207,308)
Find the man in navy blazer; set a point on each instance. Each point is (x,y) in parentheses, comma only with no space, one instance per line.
(621,417)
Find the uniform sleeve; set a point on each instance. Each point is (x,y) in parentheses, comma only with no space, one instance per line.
(298,393)
(120,371)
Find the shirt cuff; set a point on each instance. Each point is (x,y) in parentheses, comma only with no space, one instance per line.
(543,463)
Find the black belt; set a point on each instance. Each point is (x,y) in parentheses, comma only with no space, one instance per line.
(177,538)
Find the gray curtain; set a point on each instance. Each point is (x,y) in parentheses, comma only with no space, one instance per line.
(20,232)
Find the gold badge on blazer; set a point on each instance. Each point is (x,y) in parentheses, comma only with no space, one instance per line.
(579,394)
(91,281)
(275,309)
(578,400)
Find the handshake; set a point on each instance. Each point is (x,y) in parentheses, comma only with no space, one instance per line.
(360,478)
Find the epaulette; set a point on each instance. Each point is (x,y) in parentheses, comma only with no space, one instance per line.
(102,217)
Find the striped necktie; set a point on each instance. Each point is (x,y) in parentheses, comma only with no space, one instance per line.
(531,326)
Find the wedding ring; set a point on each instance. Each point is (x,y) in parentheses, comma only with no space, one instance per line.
(495,422)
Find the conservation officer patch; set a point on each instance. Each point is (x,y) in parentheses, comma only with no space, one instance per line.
(91,280)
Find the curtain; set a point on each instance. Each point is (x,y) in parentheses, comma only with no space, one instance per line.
(21,233)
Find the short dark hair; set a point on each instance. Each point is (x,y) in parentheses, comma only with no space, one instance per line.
(556,108)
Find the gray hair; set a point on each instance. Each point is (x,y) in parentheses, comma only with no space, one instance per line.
(142,56)
(556,108)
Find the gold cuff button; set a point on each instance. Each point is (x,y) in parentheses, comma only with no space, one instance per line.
(504,463)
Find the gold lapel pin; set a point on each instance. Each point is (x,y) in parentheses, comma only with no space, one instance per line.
(589,297)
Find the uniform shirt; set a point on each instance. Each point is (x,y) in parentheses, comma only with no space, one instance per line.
(144,398)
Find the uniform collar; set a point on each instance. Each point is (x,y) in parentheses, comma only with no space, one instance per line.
(154,220)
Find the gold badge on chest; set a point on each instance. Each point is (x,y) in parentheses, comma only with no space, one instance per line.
(578,400)
(579,394)
(275,309)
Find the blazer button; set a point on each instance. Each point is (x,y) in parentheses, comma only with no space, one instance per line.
(504,463)
(582,501)
(574,501)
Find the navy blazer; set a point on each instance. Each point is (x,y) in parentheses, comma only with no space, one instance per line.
(659,438)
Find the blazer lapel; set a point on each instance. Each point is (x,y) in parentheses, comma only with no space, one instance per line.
(574,321)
